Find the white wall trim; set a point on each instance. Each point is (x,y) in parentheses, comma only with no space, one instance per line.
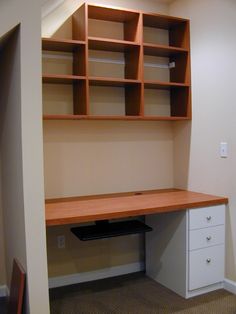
(230,285)
(3,291)
(55,282)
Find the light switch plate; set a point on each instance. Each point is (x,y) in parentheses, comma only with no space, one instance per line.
(223,150)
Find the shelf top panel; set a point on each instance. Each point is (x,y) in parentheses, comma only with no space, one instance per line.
(97,43)
(162,21)
(66,45)
(61,79)
(161,50)
(111,13)
(78,210)
(107,81)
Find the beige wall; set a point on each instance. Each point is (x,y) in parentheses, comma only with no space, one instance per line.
(198,165)
(2,242)
(11,153)
(93,157)
(83,158)
(21,152)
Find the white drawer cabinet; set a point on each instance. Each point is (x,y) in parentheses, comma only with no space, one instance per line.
(185,251)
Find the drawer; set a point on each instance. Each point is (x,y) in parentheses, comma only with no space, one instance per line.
(206,266)
(206,217)
(202,238)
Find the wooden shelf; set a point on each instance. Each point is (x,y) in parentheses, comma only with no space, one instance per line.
(65,45)
(163,85)
(161,50)
(96,43)
(94,208)
(164,118)
(61,79)
(107,81)
(89,117)
(112,118)
(131,67)
(107,117)
(64,117)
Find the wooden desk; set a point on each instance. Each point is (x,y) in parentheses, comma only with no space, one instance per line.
(84,209)
(184,251)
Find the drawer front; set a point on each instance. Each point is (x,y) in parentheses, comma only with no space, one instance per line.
(206,217)
(202,238)
(206,267)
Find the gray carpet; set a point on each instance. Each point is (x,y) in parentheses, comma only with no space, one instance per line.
(135,294)
(3,303)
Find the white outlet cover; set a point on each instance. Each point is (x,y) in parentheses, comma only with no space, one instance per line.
(61,242)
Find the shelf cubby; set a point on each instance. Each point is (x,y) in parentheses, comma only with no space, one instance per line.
(163,68)
(167,30)
(167,100)
(58,101)
(63,57)
(114,97)
(113,60)
(113,23)
(123,65)
(69,99)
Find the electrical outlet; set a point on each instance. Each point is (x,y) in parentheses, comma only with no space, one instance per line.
(61,242)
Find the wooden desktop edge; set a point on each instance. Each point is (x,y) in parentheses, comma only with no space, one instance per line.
(72,210)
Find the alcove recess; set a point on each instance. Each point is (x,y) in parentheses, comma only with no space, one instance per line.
(107,63)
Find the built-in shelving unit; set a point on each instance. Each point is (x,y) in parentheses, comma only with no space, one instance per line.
(150,59)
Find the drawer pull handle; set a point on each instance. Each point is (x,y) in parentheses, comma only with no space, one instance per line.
(208,218)
(208,238)
(208,260)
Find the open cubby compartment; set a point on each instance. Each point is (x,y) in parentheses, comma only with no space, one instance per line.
(63,58)
(113,24)
(166,30)
(70,98)
(166,101)
(114,98)
(117,62)
(157,102)
(168,68)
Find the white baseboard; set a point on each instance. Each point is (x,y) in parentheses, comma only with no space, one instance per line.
(55,282)
(3,291)
(230,285)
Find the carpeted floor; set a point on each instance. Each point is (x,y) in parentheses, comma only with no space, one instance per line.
(135,294)
(3,306)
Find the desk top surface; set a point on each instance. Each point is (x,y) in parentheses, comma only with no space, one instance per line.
(85,209)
